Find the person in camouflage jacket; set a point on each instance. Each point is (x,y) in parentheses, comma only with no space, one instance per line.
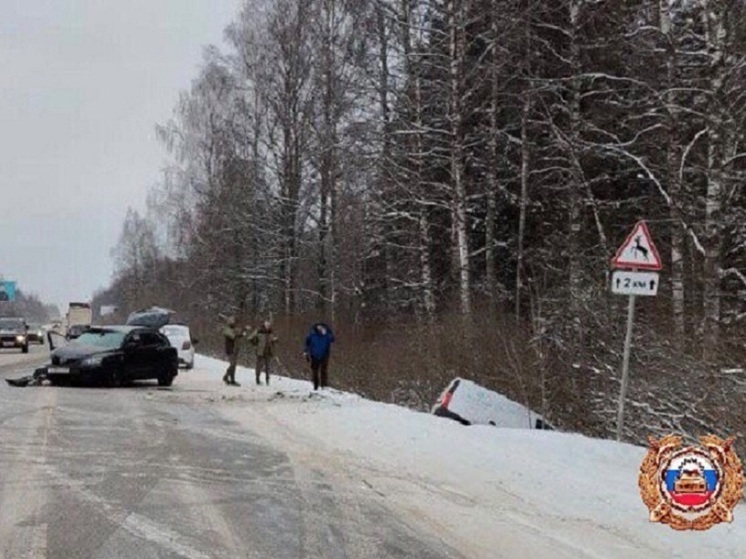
(264,340)
(232,335)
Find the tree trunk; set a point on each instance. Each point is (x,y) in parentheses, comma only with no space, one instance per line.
(428,295)
(385,160)
(492,186)
(673,149)
(575,214)
(459,214)
(523,204)
(717,138)
(426,272)
(328,162)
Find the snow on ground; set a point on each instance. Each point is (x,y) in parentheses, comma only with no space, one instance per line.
(488,491)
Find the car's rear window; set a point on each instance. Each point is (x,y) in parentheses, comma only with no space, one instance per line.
(175,331)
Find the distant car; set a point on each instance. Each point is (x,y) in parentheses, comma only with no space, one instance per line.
(35,334)
(76,330)
(114,355)
(181,338)
(13,333)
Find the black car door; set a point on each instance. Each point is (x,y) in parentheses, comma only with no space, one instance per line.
(152,357)
(134,356)
(167,356)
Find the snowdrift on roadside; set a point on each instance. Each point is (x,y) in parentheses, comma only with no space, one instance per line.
(503,486)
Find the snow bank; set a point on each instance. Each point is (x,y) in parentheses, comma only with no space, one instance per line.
(534,492)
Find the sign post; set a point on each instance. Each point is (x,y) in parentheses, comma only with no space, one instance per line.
(625,366)
(637,253)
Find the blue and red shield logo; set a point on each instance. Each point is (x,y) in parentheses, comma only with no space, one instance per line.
(691,479)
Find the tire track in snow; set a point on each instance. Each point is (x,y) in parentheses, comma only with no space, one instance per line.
(347,518)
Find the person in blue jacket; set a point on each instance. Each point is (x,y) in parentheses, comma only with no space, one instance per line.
(318,348)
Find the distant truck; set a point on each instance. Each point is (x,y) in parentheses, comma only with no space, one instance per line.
(79,317)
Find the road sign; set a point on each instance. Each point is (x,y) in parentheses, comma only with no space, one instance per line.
(634,283)
(7,291)
(638,251)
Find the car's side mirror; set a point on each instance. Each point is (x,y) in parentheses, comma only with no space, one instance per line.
(195,341)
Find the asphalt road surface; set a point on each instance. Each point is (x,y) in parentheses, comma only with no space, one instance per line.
(119,473)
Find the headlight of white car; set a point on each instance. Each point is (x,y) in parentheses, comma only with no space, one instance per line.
(91,362)
(20,338)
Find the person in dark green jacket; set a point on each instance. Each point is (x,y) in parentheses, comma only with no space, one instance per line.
(231,336)
(264,341)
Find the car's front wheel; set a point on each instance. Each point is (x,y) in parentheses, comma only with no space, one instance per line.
(166,378)
(24,349)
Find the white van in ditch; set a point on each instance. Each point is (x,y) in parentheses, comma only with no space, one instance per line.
(470,404)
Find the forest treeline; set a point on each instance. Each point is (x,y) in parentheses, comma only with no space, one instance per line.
(446,182)
(29,306)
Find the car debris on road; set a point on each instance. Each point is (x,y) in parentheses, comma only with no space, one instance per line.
(37,379)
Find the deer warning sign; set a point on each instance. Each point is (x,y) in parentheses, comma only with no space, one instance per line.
(638,251)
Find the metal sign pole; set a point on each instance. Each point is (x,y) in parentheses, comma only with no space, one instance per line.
(625,367)
(637,252)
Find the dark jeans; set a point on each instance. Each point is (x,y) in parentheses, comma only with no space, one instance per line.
(230,373)
(262,364)
(319,370)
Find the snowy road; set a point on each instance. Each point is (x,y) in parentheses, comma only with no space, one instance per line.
(144,472)
(204,470)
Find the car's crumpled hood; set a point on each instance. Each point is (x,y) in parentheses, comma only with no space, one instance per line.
(74,352)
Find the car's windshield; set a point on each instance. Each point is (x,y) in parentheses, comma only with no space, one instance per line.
(6,324)
(107,339)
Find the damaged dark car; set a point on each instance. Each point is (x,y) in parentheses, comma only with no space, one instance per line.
(112,356)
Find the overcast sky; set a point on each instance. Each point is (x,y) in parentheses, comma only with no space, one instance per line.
(82,85)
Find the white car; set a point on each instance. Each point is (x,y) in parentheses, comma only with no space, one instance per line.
(181,338)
